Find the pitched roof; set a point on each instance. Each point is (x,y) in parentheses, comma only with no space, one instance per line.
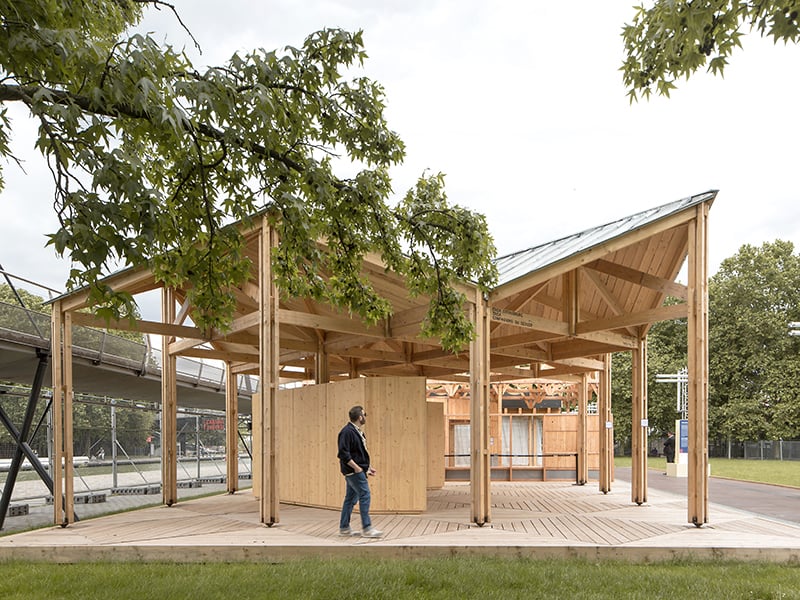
(518,264)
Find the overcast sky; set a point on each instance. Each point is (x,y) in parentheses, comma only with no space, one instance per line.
(521,105)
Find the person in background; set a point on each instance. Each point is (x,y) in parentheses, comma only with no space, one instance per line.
(355,466)
(669,447)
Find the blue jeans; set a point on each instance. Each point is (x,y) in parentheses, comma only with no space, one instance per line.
(357,492)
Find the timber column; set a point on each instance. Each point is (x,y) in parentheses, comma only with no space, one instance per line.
(639,423)
(698,367)
(582,476)
(269,348)
(231,429)
(61,365)
(480,464)
(606,425)
(169,405)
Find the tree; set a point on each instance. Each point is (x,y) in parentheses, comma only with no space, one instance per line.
(29,300)
(151,158)
(674,38)
(754,391)
(666,353)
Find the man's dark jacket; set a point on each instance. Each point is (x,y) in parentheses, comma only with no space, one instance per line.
(351,446)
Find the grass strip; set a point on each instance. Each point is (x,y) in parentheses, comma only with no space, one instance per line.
(400,579)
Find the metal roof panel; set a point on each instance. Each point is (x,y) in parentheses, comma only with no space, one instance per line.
(521,263)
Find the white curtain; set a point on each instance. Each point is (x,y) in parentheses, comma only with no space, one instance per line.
(538,446)
(520,440)
(461,445)
(505,435)
(516,432)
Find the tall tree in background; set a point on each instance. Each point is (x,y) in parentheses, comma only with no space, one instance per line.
(672,39)
(151,157)
(754,365)
(666,353)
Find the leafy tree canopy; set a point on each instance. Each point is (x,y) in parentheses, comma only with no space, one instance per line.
(152,157)
(672,39)
(754,389)
(14,295)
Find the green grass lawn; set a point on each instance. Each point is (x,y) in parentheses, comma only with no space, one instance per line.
(399,579)
(778,472)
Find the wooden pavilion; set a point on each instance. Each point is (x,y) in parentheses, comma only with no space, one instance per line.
(558,311)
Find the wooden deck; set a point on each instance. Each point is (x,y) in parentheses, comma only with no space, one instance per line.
(551,519)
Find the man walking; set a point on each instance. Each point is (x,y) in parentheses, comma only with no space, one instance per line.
(354,464)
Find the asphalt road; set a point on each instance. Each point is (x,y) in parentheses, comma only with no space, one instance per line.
(777,502)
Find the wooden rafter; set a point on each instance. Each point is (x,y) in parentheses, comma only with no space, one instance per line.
(637,277)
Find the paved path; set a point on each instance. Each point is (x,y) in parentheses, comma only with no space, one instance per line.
(777,502)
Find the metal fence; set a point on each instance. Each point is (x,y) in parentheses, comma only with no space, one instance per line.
(762,450)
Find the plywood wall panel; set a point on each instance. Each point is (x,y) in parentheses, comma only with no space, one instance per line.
(397,426)
(561,436)
(436,444)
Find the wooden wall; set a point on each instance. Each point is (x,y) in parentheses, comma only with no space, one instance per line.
(397,438)
(436,443)
(561,435)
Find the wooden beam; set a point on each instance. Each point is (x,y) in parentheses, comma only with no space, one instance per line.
(249,368)
(182,346)
(239,337)
(523,354)
(298,345)
(658,284)
(244,299)
(522,339)
(124,281)
(245,322)
(408,321)
(224,355)
(518,319)
(662,313)
(521,300)
(141,326)
(608,297)
(561,370)
(183,313)
(339,324)
(590,339)
(370,354)
(588,364)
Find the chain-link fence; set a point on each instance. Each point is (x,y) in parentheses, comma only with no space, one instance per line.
(117,445)
(762,450)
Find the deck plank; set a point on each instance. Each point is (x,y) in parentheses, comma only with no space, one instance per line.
(540,517)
